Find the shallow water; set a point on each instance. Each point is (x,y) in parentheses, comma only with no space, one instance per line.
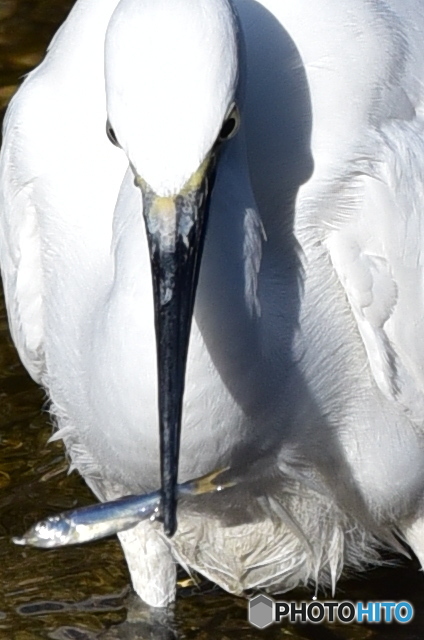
(82,593)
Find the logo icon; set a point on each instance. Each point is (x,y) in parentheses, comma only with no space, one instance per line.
(261,611)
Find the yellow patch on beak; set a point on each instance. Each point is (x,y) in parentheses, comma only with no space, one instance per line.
(163,204)
(163,207)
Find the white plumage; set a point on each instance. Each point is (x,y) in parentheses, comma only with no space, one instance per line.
(305,371)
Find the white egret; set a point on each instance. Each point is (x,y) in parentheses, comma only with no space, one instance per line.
(305,366)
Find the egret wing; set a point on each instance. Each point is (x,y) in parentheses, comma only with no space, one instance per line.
(378,256)
(20,246)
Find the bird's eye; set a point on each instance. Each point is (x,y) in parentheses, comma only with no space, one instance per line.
(231,125)
(111,134)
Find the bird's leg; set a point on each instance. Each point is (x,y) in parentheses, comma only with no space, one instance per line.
(143,621)
(151,564)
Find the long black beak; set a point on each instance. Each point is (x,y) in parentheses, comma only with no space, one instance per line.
(175,230)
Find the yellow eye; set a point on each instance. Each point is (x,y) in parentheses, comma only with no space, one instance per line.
(231,125)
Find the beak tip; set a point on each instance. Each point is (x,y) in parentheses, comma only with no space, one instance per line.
(170,530)
(169,516)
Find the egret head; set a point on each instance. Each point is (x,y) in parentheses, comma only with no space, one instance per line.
(171,74)
(171,77)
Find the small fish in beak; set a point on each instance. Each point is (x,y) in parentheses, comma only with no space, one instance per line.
(107,518)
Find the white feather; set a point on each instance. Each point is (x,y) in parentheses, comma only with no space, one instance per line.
(305,366)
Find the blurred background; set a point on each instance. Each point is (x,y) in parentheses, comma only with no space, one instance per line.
(83,593)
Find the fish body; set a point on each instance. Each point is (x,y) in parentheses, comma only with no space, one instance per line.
(108,518)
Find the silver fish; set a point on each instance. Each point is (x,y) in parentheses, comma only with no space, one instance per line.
(107,518)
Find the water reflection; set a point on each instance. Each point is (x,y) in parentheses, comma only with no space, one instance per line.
(82,593)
